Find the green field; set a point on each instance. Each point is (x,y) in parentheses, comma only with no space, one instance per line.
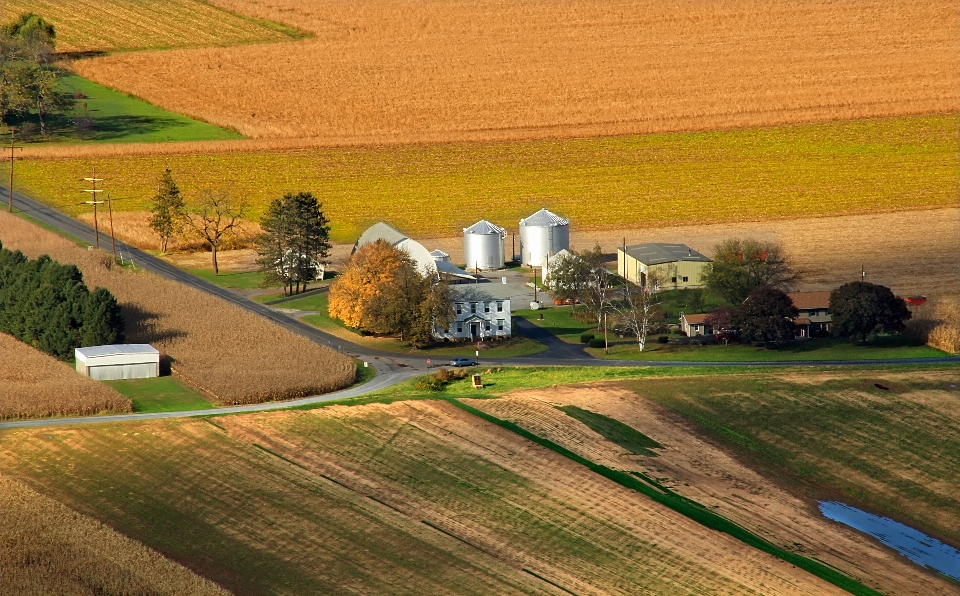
(120,118)
(160,394)
(614,182)
(893,450)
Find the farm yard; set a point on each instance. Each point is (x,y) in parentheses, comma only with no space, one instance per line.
(380,72)
(228,354)
(50,549)
(34,384)
(804,171)
(401,498)
(97,26)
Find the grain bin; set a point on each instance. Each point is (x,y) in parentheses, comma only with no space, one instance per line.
(440,256)
(541,235)
(483,246)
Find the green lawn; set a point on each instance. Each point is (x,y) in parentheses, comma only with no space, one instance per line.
(812,349)
(160,394)
(120,118)
(231,280)
(557,320)
(517,345)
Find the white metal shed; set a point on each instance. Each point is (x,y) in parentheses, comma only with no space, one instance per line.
(121,361)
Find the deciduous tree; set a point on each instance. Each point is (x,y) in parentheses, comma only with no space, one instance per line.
(214,219)
(860,309)
(766,315)
(168,209)
(639,309)
(740,266)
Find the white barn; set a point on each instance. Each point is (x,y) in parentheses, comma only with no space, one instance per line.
(122,361)
(481,311)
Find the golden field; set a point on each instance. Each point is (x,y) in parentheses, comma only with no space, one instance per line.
(50,549)
(389,71)
(120,25)
(227,353)
(428,191)
(34,384)
(415,497)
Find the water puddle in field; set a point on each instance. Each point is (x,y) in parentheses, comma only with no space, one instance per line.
(913,544)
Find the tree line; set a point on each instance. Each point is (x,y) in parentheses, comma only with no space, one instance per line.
(29,83)
(47,305)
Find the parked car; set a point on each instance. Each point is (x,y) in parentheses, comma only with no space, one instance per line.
(463,362)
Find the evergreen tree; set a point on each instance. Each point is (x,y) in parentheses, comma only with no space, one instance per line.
(295,244)
(168,209)
(102,322)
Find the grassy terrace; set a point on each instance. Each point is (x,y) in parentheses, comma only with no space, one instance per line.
(160,394)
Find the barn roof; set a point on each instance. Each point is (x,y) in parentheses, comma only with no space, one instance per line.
(655,253)
(116,350)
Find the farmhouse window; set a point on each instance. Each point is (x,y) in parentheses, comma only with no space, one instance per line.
(685,278)
(473,307)
(459,328)
(673,280)
(499,324)
(459,308)
(486,326)
(486,307)
(500,307)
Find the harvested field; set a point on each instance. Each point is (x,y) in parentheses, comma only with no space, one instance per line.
(700,470)
(415,497)
(888,165)
(50,549)
(231,355)
(386,71)
(938,323)
(34,384)
(112,25)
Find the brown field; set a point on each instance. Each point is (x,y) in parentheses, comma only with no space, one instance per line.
(231,355)
(50,549)
(407,498)
(34,384)
(700,470)
(388,71)
(133,227)
(119,25)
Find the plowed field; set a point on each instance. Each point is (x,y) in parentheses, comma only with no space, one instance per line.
(441,70)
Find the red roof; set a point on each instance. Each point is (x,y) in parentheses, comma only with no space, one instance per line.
(695,319)
(808,300)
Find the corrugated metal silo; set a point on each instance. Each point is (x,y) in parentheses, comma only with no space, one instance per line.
(541,235)
(483,246)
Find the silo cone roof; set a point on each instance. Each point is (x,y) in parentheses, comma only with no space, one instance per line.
(544,219)
(485,227)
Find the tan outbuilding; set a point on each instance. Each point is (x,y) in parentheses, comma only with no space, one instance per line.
(674,266)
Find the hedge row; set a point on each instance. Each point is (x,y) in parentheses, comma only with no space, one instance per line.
(47,305)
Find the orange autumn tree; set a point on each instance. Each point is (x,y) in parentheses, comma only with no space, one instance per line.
(381,291)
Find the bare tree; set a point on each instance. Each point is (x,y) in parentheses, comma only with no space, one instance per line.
(214,219)
(639,309)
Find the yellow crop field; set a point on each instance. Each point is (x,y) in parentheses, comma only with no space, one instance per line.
(112,25)
(801,171)
(34,384)
(232,355)
(408,498)
(50,549)
(445,70)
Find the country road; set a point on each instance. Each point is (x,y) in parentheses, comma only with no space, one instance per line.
(391,367)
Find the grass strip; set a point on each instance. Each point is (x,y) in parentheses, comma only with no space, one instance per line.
(624,435)
(543,579)
(684,507)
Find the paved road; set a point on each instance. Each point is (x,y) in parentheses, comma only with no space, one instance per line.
(392,368)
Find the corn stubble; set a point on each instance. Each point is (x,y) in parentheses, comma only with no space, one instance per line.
(229,354)
(50,549)
(385,71)
(34,384)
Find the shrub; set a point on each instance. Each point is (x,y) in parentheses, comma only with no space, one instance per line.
(663,339)
(596,343)
(585,337)
(439,380)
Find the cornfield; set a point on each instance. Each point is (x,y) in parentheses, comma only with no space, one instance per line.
(33,384)
(441,71)
(230,354)
(427,191)
(50,549)
(111,25)
(938,324)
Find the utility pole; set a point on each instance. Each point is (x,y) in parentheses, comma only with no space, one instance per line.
(863,275)
(113,240)
(93,181)
(12,158)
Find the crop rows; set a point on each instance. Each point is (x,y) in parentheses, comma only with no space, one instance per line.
(806,171)
(443,71)
(230,354)
(111,25)
(33,384)
(50,549)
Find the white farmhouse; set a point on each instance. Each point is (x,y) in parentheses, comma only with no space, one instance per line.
(481,311)
(121,361)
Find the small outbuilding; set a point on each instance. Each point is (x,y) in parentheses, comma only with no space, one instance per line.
(121,361)
(674,266)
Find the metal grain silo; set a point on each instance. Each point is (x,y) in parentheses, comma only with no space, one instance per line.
(541,235)
(483,246)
